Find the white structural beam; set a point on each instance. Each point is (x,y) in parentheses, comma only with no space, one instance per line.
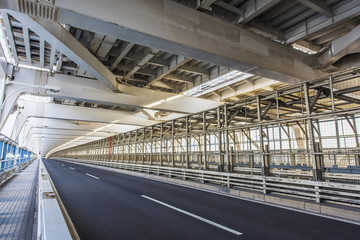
(83,89)
(341,47)
(175,28)
(319,6)
(314,25)
(80,114)
(69,46)
(243,89)
(9,33)
(62,40)
(255,8)
(27,44)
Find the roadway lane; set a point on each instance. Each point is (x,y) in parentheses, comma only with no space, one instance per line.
(108,205)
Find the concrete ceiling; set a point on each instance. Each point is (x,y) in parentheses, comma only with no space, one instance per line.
(139,58)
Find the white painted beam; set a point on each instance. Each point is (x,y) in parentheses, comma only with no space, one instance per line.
(9,33)
(27,44)
(69,46)
(340,47)
(80,114)
(175,28)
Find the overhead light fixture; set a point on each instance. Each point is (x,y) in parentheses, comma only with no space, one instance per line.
(154,104)
(99,129)
(217,83)
(162,101)
(20,65)
(35,98)
(173,97)
(303,49)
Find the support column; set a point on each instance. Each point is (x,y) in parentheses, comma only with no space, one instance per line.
(229,164)
(221,156)
(173,143)
(205,142)
(151,144)
(317,172)
(161,143)
(265,167)
(187,142)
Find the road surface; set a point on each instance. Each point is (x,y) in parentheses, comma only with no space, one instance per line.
(107,205)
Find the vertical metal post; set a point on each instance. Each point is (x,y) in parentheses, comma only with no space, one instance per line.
(187,142)
(136,146)
(205,141)
(227,144)
(265,167)
(173,143)
(336,118)
(357,156)
(317,174)
(221,156)
(151,144)
(118,148)
(143,147)
(161,143)
(123,148)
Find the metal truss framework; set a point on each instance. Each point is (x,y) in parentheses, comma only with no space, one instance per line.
(307,131)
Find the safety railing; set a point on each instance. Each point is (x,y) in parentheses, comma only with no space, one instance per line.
(8,170)
(319,191)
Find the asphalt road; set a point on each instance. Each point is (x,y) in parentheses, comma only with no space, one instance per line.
(107,205)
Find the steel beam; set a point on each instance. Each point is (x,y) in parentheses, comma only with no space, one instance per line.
(193,35)
(254,8)
(340,47)
(175,62)
(124,49)
(313,26)
(8,28)
(318,6)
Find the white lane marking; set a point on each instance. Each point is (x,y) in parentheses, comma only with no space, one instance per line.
(72,168)
(194,216)
(92,176)
(63,165)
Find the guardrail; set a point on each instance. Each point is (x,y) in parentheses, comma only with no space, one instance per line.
(10,171)
(305,189)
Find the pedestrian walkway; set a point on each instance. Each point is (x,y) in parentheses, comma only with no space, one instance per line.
(17,204)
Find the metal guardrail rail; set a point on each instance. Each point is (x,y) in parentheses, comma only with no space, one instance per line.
(6,175)
(318,191)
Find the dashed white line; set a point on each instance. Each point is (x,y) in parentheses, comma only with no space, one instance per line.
(63,165)
(72,168)
(194,216)
(92,176)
